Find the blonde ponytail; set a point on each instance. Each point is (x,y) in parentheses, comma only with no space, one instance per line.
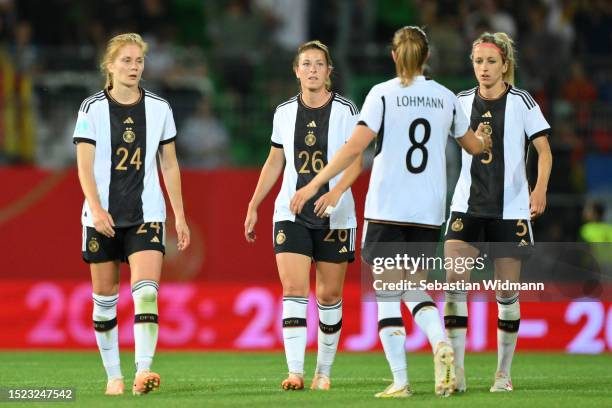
(411,49)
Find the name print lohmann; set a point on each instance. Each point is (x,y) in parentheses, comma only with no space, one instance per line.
(420,101)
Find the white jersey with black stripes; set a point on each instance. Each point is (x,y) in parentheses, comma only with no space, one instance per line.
(413,123)
(494,184)
(127,139)
(309,138)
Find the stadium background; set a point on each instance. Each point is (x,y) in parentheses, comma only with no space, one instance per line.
(224,66)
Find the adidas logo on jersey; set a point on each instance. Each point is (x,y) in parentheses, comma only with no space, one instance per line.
(523,243)
(155,239)
(343,250)
(487,114)
(312,124)
(129,121)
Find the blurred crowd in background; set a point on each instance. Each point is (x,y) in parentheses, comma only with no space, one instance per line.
(225,65)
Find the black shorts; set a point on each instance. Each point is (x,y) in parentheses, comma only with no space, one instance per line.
(388,240)
(325,245)
(98,248)
(496,237)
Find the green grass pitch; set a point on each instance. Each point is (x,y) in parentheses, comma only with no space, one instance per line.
(253,379)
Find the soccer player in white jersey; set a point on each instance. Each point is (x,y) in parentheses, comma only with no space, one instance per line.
(307,131)
(411,117)
(492,202)
(118,135)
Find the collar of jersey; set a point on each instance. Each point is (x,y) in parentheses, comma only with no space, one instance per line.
(508,87)
(331,98)
(110,98)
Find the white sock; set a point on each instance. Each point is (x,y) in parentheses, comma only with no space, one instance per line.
(330,325)
(455,321)
(426,316)
(392,335)
(107,333)
(294,332)
(144,293)
(508,320)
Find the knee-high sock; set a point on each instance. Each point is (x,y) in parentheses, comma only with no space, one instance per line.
(508,321)
(105,326)
(455,321)
(294,332)
(330,325)
(144,293)
(392,335)
(426,316)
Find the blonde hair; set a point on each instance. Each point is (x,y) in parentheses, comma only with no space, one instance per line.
(315,45)
(411,49)
(506,47)
(112,49)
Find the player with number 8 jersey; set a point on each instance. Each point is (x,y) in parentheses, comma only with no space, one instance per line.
(120,132)
(411,117)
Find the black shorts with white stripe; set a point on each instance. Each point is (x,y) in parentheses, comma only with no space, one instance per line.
(97,248)
(496,237)
(386,240)
(325,245)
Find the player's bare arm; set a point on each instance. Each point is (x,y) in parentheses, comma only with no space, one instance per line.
(360,139)
(329,200)
(271,171)
(476,142)
(103,221)
(172,180)
(537,199)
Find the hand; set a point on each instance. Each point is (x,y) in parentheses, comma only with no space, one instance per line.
(182,233)
(328,199)
(103,222)
(485,137)
(537,202)
(301,197)
(249,225)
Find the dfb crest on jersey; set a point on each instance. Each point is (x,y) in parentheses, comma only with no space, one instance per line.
(129,136)
(280,237)
(93,245)
(487,129)
(457,225)
(310,139)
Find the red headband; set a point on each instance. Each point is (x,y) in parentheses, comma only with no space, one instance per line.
(490,45)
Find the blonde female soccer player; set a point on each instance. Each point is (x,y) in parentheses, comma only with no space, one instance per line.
(411,117)
(308,130)
(492,201)
(119,133)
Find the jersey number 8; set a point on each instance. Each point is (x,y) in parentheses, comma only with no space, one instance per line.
(418,145)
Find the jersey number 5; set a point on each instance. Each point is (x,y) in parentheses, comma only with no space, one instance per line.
(418,145)
(124,153)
